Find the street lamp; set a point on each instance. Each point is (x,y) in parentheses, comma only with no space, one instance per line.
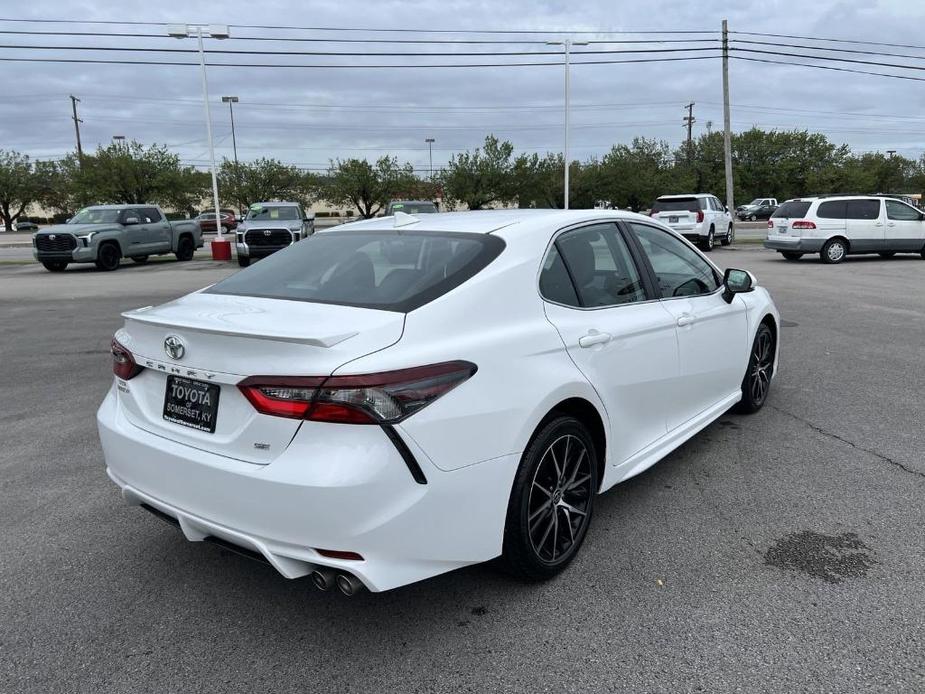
(567,45)
(430,152)
(215,31)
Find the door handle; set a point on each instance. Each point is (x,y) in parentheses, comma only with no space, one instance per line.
(593,338)
(891,224)
(685,319)
(880,224)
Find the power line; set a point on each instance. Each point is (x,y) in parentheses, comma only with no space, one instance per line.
(136,49)
(93,61)
(830,59)
(831,40)
(829,67)
(830,50)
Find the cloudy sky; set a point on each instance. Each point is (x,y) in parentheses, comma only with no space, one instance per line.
(309,115)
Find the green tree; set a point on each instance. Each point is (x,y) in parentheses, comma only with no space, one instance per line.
(132,174)
(262,180)
(368,187)
(482,177)
(635,175)
(18,186)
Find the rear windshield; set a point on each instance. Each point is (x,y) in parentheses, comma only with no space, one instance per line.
(388,270)
(676,205)
(793,208)
(271,212)
(412,207)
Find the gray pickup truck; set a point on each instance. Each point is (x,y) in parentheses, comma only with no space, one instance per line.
(104,234)
(270,227)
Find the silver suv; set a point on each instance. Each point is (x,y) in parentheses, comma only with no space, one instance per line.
(700,218)
(270,227)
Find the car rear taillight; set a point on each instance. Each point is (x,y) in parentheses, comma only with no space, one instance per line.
(381,398)
(654,214)
(123,363)
(699,216)
(770,224)
(803,224)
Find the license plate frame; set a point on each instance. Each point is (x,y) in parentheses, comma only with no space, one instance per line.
(673,219)
(191,403)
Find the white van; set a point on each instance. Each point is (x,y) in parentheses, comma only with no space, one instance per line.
(837,226)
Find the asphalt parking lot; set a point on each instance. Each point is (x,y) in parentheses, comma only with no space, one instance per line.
(782,551)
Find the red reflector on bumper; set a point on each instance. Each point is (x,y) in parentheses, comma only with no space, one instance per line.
(339,554)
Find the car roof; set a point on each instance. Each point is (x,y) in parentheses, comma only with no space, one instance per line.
(487,221)
(684,195)
(277,203)
(404,202)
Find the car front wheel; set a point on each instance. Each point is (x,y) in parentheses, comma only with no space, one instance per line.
(757,381)
(550,506)
(243,261)
(730,236)
(708,243)
(108,257)
(55,265)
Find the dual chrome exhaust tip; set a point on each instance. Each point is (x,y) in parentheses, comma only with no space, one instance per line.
(325,579)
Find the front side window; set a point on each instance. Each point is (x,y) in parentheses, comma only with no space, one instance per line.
(862,209)
(383,270)
(901,211)
(679,270)
(597,264)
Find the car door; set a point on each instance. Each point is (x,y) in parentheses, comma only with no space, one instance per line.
(135,233)
(905,227)
(865,225)
(712,334)
(615,331)
(159,232)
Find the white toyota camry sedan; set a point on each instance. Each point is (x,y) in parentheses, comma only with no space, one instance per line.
(400,397)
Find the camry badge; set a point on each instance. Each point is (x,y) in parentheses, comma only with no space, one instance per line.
(173,346)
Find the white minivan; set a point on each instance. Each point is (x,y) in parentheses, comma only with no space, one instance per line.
(837,226)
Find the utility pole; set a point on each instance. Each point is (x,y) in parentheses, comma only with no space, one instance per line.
(77,122)
(689,122)
(727,127)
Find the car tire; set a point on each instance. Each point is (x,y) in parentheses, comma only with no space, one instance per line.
(140,259)
(707,244)
(244,261)
(55,265)
(185,249)
(791,255)
(547,501)
(834,251)
(108,257)
(730,236)
(224,229)
(757,381)
(886,254)
(752,218)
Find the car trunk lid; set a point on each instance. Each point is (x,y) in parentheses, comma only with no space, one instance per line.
(223,339)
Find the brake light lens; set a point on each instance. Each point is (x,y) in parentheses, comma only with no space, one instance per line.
(123,363)
(381,398)
(770,224)
(699,216)
(803,224)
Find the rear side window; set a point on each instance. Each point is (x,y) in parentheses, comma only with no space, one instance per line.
(150,215)
(387,270)
(862,209)
(832,209)
(676,205)
(792,209)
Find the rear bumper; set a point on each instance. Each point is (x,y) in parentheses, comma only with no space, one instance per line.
(337,487)
(795,244)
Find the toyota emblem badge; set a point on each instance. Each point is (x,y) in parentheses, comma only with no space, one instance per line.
(173,346)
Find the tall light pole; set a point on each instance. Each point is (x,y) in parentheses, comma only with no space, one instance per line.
(430,152)
(567,44)
(215,31)
(231,101)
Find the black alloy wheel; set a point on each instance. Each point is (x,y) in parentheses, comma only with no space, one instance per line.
(185,249)
(108,257)
(55,265)
(757,382)
(552,499)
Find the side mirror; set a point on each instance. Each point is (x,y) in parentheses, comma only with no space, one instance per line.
(726,207)
(131,220)
(737,282)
